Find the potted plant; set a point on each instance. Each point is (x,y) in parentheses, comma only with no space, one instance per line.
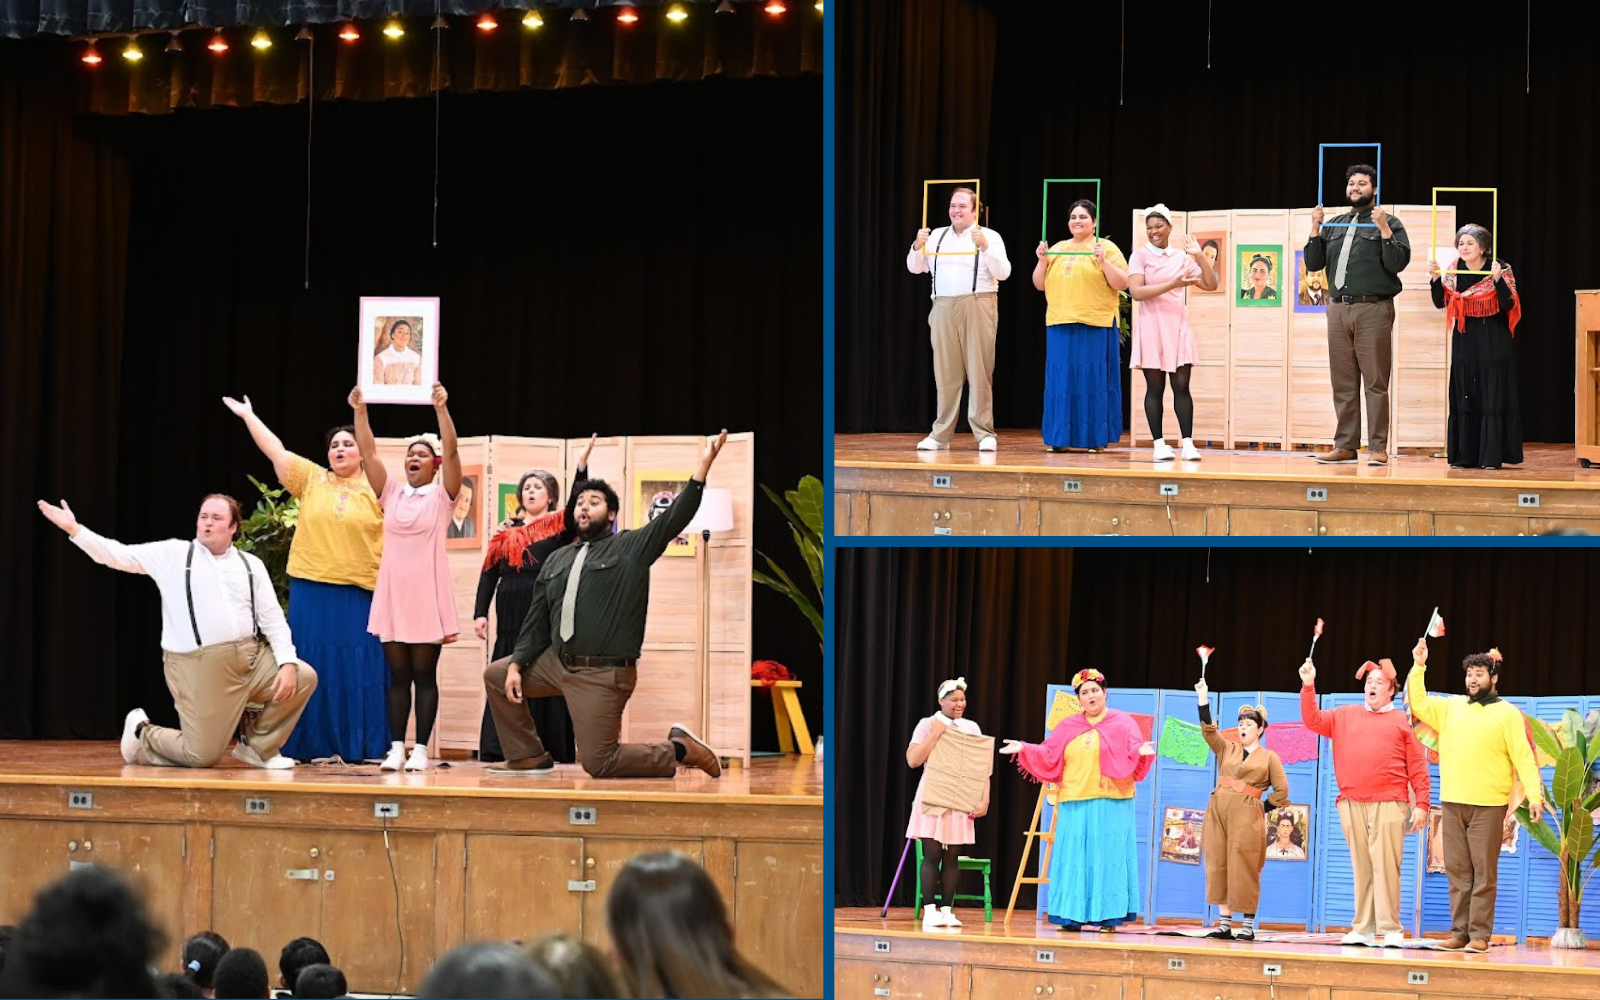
(267,533)
(1573,747)
(803,509)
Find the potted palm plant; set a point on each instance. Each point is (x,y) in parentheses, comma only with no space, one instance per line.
(803,509)
(1573,747)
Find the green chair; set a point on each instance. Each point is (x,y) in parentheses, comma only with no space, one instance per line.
(966,865)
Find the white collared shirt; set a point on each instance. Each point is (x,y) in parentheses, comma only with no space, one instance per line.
(953,274)
(1378,711)
(221,587)
(1160,252)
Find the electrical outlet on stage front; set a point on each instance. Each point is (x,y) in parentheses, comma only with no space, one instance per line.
(80,800)
(1527,499)
(1176,965)
(1270,969)
(386,810)
(1169,489)
(1041,955)
(582,815)
(1416,978)
(257,807)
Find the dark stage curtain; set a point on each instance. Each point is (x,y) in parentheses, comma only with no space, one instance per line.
(638,260)
(1445,93)
(1014,620)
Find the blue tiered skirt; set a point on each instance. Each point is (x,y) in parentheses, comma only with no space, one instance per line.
(1082,386)
(1094,864)
(346,714)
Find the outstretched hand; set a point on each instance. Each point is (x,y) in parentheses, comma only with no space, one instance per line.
(1011,746)
(239,409)
(357,403)
(588,450)
(1147,749)
(62,516)
(714,447)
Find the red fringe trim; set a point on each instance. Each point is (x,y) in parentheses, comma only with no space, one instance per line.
(1016,760)
(511,545)
(1479,301)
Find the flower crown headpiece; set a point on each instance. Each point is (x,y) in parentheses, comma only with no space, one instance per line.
(1088,674)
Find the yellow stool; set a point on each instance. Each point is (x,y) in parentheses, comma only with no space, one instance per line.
(786,708)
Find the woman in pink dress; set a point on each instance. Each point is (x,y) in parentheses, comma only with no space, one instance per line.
(414,608)
(1163,343)
(942,835)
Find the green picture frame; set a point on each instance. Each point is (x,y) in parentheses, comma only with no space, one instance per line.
(1044,214)
(1244,256)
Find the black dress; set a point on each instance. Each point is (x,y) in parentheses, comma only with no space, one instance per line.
(1485,427)
(516,555)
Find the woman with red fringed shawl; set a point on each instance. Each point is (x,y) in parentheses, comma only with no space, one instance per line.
(516,555)
(1485,427)
(1094,758)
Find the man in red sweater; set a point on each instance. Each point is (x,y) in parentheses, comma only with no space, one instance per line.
(1382,771)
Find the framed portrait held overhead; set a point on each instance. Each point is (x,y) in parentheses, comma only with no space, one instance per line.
(397,360)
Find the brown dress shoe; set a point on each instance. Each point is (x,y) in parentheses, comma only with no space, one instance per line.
(695,752)
(1336,457)
(541,765)
(1453,943)
(1378,459)
(1477,947)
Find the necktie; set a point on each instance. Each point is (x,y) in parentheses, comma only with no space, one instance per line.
(569,601)
(1344,258)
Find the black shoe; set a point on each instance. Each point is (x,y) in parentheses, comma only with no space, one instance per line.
(1221,932)
(1245,935)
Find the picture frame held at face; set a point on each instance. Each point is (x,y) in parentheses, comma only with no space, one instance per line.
(465,530)
(1259,275)
(397,360)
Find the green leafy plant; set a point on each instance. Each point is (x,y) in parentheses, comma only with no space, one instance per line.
(1573,745)
(268,531)
(803,509)
(1125,316)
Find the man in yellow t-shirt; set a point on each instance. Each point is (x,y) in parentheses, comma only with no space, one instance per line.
(1483,744)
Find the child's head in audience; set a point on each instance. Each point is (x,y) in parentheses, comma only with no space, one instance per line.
(579,969)
(87,936)
(489,970)
(320,981)
(242,975)
(201,954)
(178,986)
(296,955)
(671,933)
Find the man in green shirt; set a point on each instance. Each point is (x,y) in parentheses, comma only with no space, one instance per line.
(582,639)
(1364,263)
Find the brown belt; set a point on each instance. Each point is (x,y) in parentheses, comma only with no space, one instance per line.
(1236,785)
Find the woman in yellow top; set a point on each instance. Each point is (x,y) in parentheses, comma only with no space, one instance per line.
(333,568)
(1083,336)
(1095,758)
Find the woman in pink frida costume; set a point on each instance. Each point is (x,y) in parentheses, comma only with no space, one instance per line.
(1095,758)
(943,834)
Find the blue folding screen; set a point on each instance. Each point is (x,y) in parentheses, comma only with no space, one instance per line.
(1177,889)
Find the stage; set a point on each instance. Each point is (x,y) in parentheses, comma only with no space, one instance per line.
(884,486)
(265,856)
(893,957)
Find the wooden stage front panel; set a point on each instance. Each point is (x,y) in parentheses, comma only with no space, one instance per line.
(262,857)
(988,962)
(883,486)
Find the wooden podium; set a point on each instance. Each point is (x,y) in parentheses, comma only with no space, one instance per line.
(1586,433)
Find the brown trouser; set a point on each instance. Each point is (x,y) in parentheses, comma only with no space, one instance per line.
(1234,842)
(963,330)
(595,697)
(1360,349)
(1472,836)
(211,687)
(1376,835)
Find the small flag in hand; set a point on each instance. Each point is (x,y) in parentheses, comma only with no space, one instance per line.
(1318,630)
(1435,625)
(1205,655)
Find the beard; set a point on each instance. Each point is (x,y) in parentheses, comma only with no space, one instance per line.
(1484,696)
(1361,203)
(595,531)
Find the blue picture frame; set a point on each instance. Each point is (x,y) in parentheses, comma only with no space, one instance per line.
(1322,159)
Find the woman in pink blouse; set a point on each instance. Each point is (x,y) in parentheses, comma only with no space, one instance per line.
(1163,343)
(414,608)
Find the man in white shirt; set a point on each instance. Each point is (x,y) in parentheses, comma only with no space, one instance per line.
(965,315)
(224,639)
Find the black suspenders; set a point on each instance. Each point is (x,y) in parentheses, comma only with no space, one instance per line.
(935,268)
(188,591)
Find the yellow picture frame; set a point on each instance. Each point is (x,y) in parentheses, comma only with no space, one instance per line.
(977,187)
(1494,223)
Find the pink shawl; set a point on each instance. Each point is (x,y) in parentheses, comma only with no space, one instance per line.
(1120,738)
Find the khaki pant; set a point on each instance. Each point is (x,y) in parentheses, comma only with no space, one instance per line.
(1360,349)
(1472,836)
(963,331)
(1234,842)
(595,697)
(1376,835)
(211,687)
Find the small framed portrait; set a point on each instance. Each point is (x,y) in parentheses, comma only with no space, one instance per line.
(1310,287)
(398,356)
(657,490)
(1259,275)
(1288,833)
(1215,246)
(508,506)
(465,530)
(1180,834)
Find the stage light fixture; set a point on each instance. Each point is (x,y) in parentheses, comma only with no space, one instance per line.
(91,55)
(775,7)
(626,14)
(131,51)
(676,14)
(726,7)
(349,32)
(439,24)
(818,5)
(218,44)
(393,29)
(262,40)
(487,22)
(304,34)
(532,19)
(173,45)
(580,15)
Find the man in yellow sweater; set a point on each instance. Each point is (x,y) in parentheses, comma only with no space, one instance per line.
(1483,742)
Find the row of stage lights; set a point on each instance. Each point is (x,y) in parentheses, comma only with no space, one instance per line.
(676,13)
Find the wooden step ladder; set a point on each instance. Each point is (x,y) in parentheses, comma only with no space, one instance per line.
(1034,833)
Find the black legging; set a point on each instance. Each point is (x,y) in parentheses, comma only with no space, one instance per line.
(412,663)
(1155,384)
(934,857)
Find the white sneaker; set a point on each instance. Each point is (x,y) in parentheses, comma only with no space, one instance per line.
(394,758)
(418,761)
(1190,452)
(1394,939)
(948,917)
(1354,938)
(931,920)
(988,444)
(1164,452)
(930,444)
(247,755)
(130,739)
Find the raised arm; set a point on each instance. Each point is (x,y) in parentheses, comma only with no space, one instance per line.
(447,441)
(1315,719)
(658,534)
(377,475)
(1426,707)
(1208,726)
(269,443)
(1208,273)
(106,551)
(569,526)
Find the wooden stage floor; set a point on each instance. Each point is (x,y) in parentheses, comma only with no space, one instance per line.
(982,961)
(265,856)
(884,486)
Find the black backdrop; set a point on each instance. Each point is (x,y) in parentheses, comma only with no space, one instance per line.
(628,260)
(1014,620)
(1014,92)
